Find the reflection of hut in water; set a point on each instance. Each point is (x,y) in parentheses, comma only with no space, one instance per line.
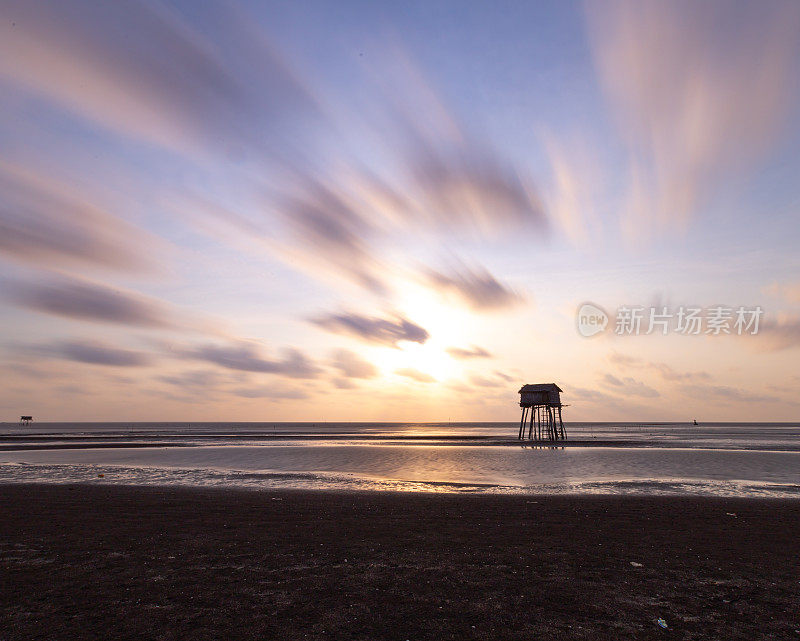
(25,420)
(541,412)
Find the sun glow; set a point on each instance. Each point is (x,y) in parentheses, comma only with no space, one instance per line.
(448,326)
(428,359)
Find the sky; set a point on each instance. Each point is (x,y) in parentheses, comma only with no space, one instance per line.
(385,211)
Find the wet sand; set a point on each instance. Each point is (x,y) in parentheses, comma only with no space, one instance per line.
(92,562)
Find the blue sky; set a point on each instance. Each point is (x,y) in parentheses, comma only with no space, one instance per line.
(393,210)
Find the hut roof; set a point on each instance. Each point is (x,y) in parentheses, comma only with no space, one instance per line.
(540,387)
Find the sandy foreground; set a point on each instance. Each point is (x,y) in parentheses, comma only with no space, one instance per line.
(103,562)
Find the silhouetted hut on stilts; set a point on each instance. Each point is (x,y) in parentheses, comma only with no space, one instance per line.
(541,412)
(25,420)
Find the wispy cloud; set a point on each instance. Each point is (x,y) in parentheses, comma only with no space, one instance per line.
(169,83)
(700,91)
(45,223)
(483,381)
(247,357)
(351,365)
(372,329)
(719,393)
(668,373)
(271,392)
(215,384)
(444,182)
(573,193)
(789,292)
(332,226)
(629,386)
(194,381)
(91,352)
(415,374)
(463,353)
(593,396)
(178,84)
(72,298)
(782,332)
(344,383)
(475,287)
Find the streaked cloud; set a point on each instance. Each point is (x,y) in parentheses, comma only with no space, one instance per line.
(629,386)
(472,188)
(344,383)
(624,359)
(465,353)
(667,372)
(169,82)
(450,178)
(573,193)
(700,92)
(373,329)
(271,392)
(483,381)
(476,287)
(782,332)
(84,300)
(216,384)
(45,223)
(670,374)
(91,352)
(247,357)
(789,292)
(725,393)
(196,381)
(351,365)
(415,374)
(331,226)
(444,181)
(179,84)
(593,396)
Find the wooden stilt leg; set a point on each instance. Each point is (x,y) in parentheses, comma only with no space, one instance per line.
(533,416)
(541,425)
(541,416)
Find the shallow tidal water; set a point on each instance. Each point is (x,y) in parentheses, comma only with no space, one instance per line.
(722,459)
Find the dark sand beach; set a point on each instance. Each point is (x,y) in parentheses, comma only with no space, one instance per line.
(97,562)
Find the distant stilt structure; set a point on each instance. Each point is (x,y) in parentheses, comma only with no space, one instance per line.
(25,420)
(541,413)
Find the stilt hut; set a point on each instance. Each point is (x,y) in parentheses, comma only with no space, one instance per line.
(25,420)
(541,412)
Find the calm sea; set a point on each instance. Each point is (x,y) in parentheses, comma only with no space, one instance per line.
(724,459)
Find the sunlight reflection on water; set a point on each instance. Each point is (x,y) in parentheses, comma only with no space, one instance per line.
(353,464)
